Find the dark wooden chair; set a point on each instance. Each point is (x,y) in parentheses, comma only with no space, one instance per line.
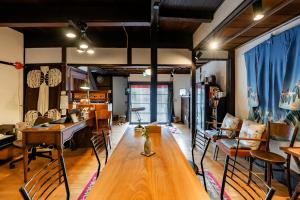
(46,181)
(201,142)
(214,131)
(237,176)
(233,148)
(99,144)
(105,117)
(36,151)
(278,132)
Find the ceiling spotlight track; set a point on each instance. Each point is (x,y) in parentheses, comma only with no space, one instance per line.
(84,43)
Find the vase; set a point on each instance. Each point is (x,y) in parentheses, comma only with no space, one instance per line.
(147,146)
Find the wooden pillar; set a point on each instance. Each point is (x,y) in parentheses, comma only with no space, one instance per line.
(64,68)
(129,55)
(193,98)
(153,41)
(230,82)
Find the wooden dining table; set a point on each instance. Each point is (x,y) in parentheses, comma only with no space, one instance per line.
(129,175)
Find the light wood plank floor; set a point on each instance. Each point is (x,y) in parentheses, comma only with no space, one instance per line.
(81,165)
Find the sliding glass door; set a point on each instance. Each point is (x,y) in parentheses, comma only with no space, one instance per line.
(140,97)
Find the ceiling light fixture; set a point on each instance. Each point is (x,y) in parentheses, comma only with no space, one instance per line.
(257,10)
(80,50)
(148,72)
(70,33)
(90,51)
(213,45)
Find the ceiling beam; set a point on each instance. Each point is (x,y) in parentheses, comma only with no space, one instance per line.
(65,24)
(233,15)
(31,13)
(186,15)
(254,23)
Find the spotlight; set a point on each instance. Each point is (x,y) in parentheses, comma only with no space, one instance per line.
(214,45)
(70,33)
(257,10)
(148,72)
(80,51)
(83,45)
(90,51)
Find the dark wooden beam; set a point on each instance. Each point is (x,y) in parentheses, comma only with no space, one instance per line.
(64,65)
(230,82)
(66,24)
(254,23)
(138,12)
(186,15)
(153,44)
(193,98)
(234,14)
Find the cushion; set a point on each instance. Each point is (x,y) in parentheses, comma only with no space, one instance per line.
(213,135)
(232,144)
(251,129)
(230,122)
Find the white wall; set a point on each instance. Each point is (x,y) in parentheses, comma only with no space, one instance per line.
(141,78)
(101,56)
(11,79)
(217,68)
(179,81)
(43,55)
(119,97)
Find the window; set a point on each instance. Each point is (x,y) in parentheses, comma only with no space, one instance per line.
(140,97)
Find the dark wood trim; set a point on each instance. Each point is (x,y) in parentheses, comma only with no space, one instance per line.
(235,13)
(193,98)
(129,55)
(132,65)
(254,23)
(230,82)
(153,44)
(64,64)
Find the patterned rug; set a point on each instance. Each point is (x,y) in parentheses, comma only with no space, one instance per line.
(214,187)
(174,130)
(88,187)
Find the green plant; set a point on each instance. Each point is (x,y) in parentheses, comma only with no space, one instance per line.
(145,132)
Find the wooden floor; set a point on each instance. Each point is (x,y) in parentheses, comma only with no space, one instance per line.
(81,165)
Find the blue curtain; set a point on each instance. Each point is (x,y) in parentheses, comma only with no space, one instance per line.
(273,76)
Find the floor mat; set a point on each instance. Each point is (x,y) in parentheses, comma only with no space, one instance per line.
(214,187)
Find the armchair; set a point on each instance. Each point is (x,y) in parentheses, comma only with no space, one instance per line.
(229,128)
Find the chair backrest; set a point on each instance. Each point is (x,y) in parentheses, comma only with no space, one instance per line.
(102,114)
(46,181)
(200,141)
(99,144)
(236,175)
(283,132)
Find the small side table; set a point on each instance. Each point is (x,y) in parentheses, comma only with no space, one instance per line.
(295,152)
(269,158)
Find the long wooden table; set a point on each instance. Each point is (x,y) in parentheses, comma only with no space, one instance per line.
(165,175)
(55,134)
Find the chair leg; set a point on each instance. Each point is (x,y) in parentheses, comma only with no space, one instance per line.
(224,177)
(269,174)
(251,159)
(217,153)
(203,175)
(288,174)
